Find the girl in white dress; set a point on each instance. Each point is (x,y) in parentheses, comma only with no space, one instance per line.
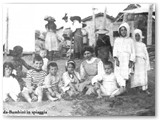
(71,79)
(124,54)
(142,64)
(11,87)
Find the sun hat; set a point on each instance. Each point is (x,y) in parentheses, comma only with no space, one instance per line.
(75,18)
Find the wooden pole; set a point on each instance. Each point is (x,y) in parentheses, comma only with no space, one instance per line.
(149,25)
(104,18)
(94,26)
(125,17)
(6,45)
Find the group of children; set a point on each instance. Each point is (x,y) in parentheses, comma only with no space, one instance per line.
(43,77)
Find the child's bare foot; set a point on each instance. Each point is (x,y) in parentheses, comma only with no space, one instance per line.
(34,98)
(112,96)
(59,96)
(99,97)
(53,99)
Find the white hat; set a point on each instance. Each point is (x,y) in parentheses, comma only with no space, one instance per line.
(102,31)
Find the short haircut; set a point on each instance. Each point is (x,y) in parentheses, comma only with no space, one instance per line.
(53,64)
(7,64)
(37,58)
(108,63)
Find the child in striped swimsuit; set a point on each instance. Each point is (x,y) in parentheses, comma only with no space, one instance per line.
(34,81)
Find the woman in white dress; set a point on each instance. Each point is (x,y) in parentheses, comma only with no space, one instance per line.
(142,64)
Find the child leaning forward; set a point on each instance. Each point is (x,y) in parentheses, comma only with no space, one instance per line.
(51,83)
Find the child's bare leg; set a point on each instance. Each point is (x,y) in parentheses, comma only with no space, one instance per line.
(39,92)
(58,95)
(25,94)
(51,98)
(13,96)
(118,92)
(99,93)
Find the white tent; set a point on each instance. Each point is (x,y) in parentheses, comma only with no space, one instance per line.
(139,10)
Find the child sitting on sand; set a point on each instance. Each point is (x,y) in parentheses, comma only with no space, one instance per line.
(11,87)
(108,85)
(34,81)
(71,79)
(51,83)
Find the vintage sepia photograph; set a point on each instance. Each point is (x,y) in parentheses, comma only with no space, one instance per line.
(87,59)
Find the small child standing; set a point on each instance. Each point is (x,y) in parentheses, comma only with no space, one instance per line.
(43,54)
(11,87)
(71,79)
(51,83)
(34,81)
(107,83)
(142,63)
(18,64)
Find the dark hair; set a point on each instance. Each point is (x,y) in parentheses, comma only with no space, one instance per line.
(17,50)
(53,64)
(88,48)
(37,57)
(72,62)
(7,64)
(108,63)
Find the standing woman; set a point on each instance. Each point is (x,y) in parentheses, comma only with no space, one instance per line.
(78,37)
(89,68)
(103,47)
(124,54)
(51,40)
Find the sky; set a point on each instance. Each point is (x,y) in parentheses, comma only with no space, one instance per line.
(24,19)
(37,12)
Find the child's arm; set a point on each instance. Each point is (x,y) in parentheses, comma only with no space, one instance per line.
(132,56)
(147,57)
(29,80)
(82,72)
(26,65)
(46,82)
(72,86)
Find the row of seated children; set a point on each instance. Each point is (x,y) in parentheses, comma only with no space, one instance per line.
(38,82)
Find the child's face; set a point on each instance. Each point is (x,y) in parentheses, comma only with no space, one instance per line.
(123,31)
(87,55)
(43,54)
(38,65)
(8,71)
(108,69)
(53,70)
(70,68)
(137,37)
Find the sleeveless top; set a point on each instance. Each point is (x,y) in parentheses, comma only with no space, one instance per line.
(91,69)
